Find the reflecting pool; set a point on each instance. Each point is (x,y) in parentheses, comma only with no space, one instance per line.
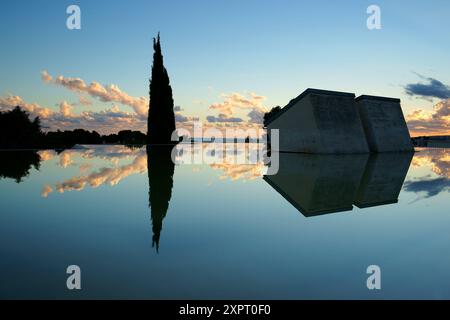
(140,226)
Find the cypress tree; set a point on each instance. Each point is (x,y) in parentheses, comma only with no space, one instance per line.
(161,117)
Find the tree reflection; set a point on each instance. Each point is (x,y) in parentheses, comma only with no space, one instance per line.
(17,164)
(160,178)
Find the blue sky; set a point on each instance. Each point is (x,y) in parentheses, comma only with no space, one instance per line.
(275,49)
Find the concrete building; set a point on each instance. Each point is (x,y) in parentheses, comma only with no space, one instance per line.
(384,124)
(330,122)
(320,122)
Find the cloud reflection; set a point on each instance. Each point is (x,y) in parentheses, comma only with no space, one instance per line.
(115,155)
(103,176)
(239,171)
(111,176)
(431,187)
(438,160)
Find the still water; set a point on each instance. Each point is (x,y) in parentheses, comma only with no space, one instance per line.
(141,227)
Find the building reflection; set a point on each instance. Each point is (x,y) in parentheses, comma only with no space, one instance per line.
(160,179)
(383,179)
(322,184)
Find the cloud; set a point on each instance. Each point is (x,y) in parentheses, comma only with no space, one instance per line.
(180,118)
(234,103)
(65,109)
(113,119)
(109,120)
(256,116)
(85,101)
(431,89)
(223,118)
(107,93)
(10,102)
(437,122)
(105,121)
(46,77)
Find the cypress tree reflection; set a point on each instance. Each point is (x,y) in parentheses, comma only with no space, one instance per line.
(160,179)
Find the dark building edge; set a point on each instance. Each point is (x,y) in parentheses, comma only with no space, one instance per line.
(305,93)
(377,98)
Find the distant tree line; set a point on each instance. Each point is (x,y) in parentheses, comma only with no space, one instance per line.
(19,131)
(431,141)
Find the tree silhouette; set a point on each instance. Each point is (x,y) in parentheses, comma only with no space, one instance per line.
(270,114)
(161,117)
(17,130)
(160,179)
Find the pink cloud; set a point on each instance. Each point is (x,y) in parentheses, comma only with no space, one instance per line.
(108,93)
(435,122)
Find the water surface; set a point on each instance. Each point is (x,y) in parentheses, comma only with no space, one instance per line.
(140,226)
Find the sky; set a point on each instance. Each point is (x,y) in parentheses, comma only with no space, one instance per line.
(229,61)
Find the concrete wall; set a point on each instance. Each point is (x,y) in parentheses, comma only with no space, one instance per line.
(384,124)
(320,122)
(338,123)
(298,130)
